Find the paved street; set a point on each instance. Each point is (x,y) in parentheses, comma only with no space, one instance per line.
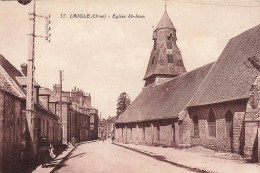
(99,157)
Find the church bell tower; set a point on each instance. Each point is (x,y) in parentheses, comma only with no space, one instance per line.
(165,61)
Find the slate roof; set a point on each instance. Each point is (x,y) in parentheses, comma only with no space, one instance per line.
(15,75)
(12,72)
(23,81)
(166,100)
(165,22)
(230,79)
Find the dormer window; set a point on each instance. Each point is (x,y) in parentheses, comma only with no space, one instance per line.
(170,58)
(153,60)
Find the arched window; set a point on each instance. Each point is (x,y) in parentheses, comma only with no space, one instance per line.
(229,123)
(211,123)
(196,125)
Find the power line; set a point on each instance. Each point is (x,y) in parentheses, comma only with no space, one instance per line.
(214,4)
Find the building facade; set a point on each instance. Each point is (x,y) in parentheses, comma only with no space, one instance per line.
(106,127)
(15,140)
(215,106)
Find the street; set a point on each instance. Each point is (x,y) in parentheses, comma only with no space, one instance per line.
(99,157)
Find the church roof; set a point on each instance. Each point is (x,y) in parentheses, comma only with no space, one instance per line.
(230,79)
(166,100)
(165,22)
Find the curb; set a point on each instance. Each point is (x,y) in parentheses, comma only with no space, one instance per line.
(163,159)
(63,159)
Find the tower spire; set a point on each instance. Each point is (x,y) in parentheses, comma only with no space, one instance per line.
(165,60)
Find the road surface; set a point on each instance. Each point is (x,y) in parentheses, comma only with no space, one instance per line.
(104,157)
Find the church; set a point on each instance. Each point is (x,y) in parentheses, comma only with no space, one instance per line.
(215,106)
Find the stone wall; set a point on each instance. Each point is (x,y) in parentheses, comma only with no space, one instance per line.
(157,133)
(221,142)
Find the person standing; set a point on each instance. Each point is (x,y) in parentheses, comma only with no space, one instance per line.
(44,147)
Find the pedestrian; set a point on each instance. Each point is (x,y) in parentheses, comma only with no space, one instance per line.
(44,148)
(113,138)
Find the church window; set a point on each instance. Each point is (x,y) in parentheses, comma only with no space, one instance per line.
(170,58)
(155,45)
(153,60)
(229,123)
(196,125)
(211,123)
(169,44)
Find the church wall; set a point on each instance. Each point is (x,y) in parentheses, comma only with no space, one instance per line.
(148,140)
(184,132)
(148,133)
(220,142)
(118,133)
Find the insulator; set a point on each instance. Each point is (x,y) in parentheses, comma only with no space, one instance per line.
(49,28)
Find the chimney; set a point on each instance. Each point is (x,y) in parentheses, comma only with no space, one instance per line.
(24,69)
(56,89)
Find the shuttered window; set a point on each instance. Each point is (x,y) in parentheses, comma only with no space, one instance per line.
(211,123)
(170,58)
(196,125)
(229,124)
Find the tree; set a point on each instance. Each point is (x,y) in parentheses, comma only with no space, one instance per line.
(123,102)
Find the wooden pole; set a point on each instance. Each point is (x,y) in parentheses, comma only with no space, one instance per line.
(30,85)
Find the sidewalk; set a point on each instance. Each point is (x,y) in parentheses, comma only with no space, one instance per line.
(56,162)
(198,159)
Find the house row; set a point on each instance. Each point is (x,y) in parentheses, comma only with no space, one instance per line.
(106,127)
(215,106)
(15,139)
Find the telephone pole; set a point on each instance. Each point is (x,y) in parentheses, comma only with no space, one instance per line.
(62,133)
(30,114)
(30,100)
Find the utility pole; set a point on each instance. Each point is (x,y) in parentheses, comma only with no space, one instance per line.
(62,133)
(30,114)
(61,96)
(30,100)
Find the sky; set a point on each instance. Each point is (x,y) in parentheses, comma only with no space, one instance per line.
(106,57)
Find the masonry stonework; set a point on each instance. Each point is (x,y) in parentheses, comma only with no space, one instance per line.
(221,142)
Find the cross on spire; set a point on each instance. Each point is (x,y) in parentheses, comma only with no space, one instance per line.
(165,4)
